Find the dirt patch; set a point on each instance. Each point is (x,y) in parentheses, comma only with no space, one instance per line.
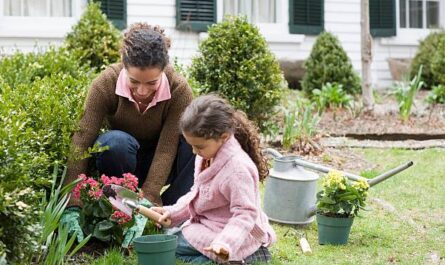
(426,121)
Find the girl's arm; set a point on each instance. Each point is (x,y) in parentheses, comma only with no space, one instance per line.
(179,211)
(241,193)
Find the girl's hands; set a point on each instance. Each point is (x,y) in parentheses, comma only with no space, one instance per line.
(219,251)
(165,215)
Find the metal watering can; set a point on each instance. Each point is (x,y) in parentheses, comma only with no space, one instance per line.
(290,192)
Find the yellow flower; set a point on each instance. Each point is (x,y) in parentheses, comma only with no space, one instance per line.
(342,186)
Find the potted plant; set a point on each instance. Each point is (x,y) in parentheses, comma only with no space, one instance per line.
(338,203)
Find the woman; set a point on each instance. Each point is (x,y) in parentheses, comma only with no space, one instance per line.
(141,101)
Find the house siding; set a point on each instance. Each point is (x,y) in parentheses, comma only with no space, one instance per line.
(342,18)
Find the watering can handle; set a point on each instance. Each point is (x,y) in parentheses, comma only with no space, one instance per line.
(149,213)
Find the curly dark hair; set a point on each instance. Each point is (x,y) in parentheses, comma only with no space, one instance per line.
(145,46)
(210,116)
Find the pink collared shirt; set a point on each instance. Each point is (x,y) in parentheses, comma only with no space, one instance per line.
(162,92)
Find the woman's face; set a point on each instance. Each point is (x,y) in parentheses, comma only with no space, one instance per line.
(143,83)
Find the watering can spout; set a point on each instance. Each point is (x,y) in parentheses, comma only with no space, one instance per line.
(273,152)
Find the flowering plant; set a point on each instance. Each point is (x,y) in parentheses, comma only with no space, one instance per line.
(97,216)
(341,197)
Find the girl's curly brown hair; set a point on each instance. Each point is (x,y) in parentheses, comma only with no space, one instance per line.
(145,46)
(210,116)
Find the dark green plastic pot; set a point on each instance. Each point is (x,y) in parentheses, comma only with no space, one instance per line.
(156,249)
(333,230)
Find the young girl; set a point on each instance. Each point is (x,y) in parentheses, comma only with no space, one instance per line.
(222,213)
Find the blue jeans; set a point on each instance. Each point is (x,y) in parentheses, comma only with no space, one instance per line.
(188,253)
(125,154)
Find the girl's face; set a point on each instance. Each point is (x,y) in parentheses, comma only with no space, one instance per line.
(206,148)
(143,83)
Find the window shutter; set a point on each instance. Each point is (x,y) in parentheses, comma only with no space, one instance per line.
(382,18)
(306,16)
(116,11)
(195,15)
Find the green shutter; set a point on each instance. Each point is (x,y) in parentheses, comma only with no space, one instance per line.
(382,18)
(116,11)
(195,15)
(306,16)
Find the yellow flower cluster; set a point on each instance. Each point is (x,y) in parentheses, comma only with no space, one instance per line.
(361,185)
(334,179)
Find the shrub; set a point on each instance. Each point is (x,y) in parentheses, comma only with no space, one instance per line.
(24,68)
(94,39)
(424,56)
(39,112)
(235,62)
(438,63)
(329,63)
(436,95)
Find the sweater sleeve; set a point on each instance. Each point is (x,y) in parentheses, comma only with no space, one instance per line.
(166,149)
(179,212)
(97,105)
(239,189)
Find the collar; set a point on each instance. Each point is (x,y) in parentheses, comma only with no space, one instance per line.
(224,154)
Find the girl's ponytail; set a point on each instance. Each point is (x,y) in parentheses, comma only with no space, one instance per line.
(247,135)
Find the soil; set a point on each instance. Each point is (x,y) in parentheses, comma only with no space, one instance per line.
(342,130)
(384,123)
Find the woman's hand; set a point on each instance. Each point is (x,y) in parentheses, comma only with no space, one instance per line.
(165,215)
(219,251)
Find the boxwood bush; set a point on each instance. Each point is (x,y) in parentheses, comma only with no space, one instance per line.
(424,56)
(39,112)
(94,39)
(236,62)
(329,63)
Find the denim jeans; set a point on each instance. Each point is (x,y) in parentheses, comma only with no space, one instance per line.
(125,154)
(188,253)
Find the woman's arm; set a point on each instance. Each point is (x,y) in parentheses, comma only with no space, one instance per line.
(98,103)
(166,149)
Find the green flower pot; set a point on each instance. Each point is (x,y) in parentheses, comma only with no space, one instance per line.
(333,230)
(156,249)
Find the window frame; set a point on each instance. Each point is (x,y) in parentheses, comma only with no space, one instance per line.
(273,32)
(39,27)
(412,36)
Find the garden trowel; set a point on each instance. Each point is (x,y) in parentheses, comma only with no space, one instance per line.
(127,201)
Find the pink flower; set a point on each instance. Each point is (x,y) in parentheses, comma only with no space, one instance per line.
(130,181)
(120,217)
(79,186)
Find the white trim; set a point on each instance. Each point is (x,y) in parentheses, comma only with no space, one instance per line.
(407,37)
(273,32)
(39,27)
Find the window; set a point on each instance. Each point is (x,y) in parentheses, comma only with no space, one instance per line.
(306,16)
(38,8)
(419,14)
(35,19)
(256,11)
(195,15)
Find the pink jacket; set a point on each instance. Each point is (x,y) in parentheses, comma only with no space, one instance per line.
(223,206)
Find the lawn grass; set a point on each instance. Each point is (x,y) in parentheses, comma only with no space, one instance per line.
(405,222)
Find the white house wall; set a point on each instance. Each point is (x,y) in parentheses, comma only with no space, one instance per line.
(342,17)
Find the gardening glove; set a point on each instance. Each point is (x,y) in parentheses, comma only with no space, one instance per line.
(70,218)
(138,228)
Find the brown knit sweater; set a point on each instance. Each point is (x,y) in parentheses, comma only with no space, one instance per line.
(160,121)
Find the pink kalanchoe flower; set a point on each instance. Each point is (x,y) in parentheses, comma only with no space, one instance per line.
(79,186)
(105,180)
(130,181)
(121,217)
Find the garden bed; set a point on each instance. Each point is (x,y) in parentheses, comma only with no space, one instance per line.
(384,123)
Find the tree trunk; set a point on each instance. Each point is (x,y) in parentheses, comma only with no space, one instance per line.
(366,41)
